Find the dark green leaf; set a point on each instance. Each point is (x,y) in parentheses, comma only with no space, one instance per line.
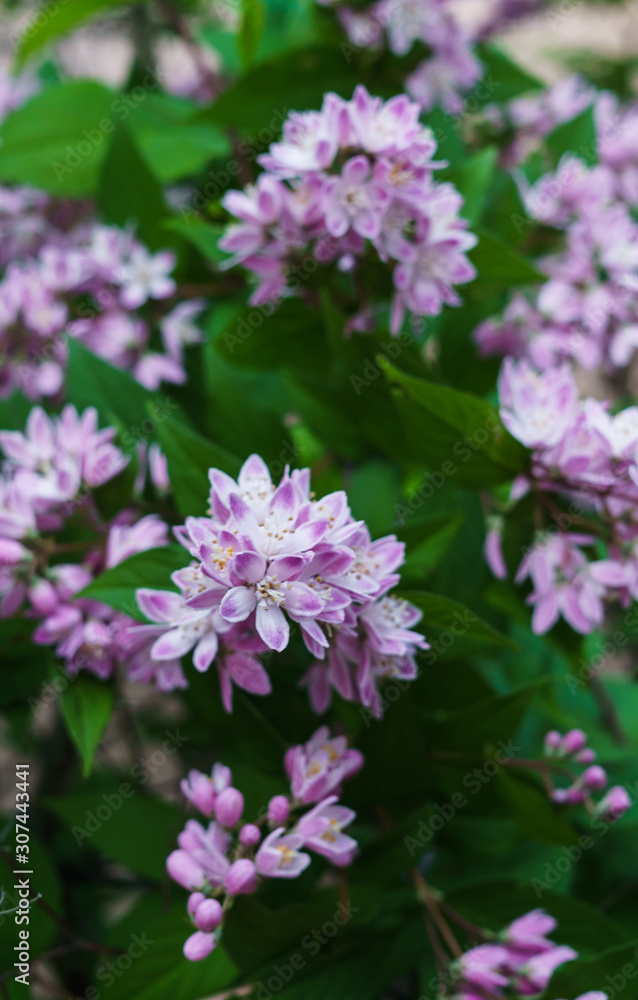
(118,398)
(86,705)
(189,457)
(614,971)
(252,25)
(129,194)
(532,809)
(459,434)
(503,79)
(116,587)
(204,235)
(107,813)
(263,96)
(577,137)
(464,627)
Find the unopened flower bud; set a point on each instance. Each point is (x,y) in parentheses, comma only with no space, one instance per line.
(278,810)
(249,835)
(553,741)
(208,915)
(241,878)
(199,945)
(614,804)
(229,805)
(194,900)
(595,778)
(574,740)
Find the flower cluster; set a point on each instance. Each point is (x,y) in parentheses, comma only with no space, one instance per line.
(572,749)
(268,556)
(47,482)
(355,175)
(587,456)
(67,274)
(519,963)
(451,68)
(586,309)
(229,858)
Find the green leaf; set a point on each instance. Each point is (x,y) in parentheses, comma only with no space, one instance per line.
(47,24)
(480,727)
(107,812)
(289,337)
(162,971)
(614,969)
(577,137)
(472,178)
(86,705)
(262,97)
(116,394)
(128,192)
(499,264)
(251,29)
(459,434)
(116,587)
(441,614)
(204,235)
(532,809)
(189,457)
(172,137)
(58,140)
(503,79)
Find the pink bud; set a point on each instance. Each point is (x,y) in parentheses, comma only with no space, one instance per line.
(229,805)
(575,795)
(278,810)
(249,835)
(194,900)
(574,740)
(595,778)
(181,867)
(559,796)
(614,804)
(199,945)
(553,741)
(241,878)
(209,915)
(44,597)
(12,552)
(586,756)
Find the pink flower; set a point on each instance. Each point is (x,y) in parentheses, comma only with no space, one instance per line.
(318,769)
(615,803)
(279,855)
(146,276)
(321,829)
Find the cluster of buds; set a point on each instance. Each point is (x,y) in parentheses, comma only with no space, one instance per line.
(230,857)
(572,749)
